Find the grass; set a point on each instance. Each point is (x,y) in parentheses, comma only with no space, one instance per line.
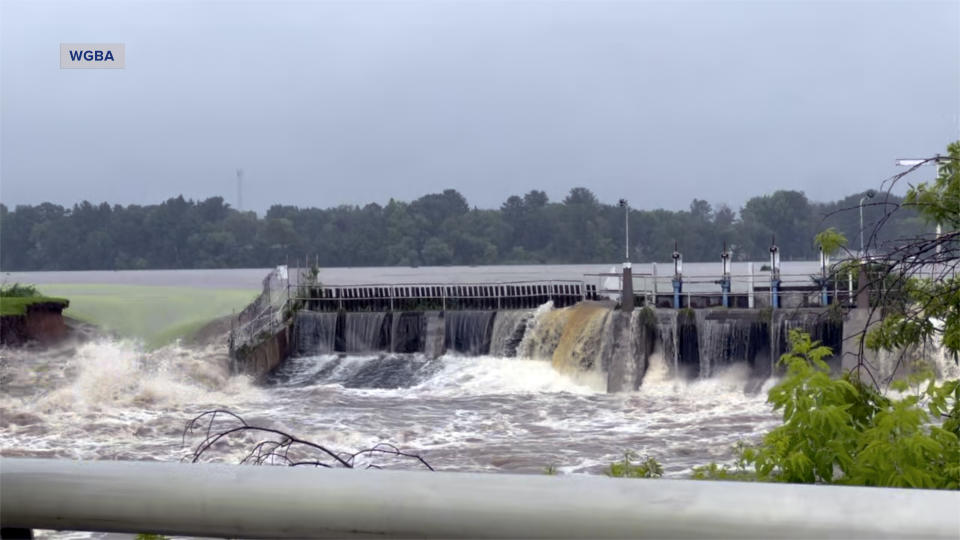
(155,314)
(17,305)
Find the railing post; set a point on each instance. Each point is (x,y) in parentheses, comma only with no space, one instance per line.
(677,281)
(626,294)
(774,276)
(654,284)
(850,287)
(725,276)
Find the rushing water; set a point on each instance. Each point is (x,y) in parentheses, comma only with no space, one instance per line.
(534,397)
(111,400)
(530,394)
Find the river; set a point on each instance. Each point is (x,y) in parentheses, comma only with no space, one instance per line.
(114,399)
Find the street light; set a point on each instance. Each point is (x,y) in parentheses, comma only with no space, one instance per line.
(626,228)
(870,194)
(936,160)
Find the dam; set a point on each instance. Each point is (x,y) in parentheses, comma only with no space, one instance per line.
(575,326)
(586,337)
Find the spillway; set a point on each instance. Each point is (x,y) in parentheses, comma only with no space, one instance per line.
(589,337)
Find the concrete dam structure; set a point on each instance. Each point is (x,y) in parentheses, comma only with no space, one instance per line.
(587,337)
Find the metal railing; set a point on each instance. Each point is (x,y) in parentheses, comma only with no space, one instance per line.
(273,502)
(264,314)
(440,296)
(750,290)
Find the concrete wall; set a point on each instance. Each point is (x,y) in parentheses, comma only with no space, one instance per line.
(259,359)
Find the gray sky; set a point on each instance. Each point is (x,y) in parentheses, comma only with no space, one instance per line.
(326,103)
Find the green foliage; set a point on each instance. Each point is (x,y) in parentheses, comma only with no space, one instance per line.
(630,467)
(940,202)
(550,470)
(830,240)
(18,291)
(149,536)
(312,277)
(438,228)
(842,431)
(926,308)
(648,318)
(18,305)
(739,472)
(16,298)
(816,436)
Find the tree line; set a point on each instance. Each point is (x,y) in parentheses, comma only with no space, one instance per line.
(436,229)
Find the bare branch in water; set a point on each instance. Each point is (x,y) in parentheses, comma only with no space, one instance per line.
(281,448)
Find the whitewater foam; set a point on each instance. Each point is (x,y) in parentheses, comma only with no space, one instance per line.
(484,375)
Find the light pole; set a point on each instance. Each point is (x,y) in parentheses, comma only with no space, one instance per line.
(626,228)
(870,194)
(936,160)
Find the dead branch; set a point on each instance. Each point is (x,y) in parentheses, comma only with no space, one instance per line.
(280,448)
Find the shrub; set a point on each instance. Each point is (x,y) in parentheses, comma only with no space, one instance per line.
(628,468)
(18,291)
(843,431)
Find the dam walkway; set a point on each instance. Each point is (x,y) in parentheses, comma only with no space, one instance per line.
(441,296)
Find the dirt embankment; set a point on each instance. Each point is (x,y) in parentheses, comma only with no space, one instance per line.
(42,322)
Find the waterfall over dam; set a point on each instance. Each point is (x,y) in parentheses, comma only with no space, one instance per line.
(589,337)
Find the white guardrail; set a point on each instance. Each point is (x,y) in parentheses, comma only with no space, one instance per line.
(244,501)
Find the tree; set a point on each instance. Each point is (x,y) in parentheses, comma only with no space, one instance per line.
(439,207)
(701,210)
(724,217)
(183,233)
(786,214)
(830,240)
(846,430)
(535,199)
(843,431)
(581,195)
(922,274)
(436,253)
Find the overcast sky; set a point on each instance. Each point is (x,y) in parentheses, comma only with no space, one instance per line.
(325,103)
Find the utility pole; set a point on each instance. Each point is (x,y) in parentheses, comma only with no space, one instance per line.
(869,195)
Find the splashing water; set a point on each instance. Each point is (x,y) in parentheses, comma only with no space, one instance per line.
(111,400)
